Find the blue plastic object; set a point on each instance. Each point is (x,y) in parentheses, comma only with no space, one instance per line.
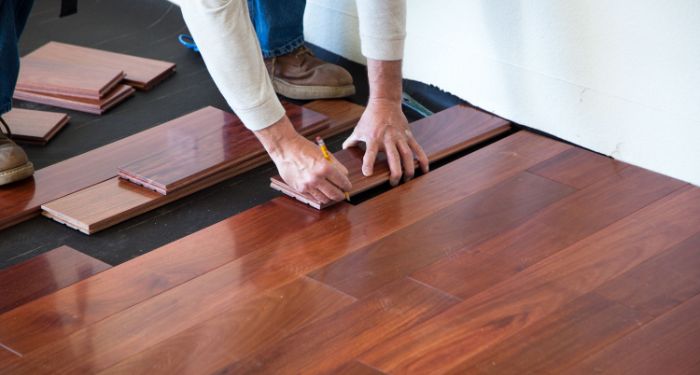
(188,42)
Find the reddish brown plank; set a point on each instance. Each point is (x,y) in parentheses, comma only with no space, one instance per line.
(269,246)
(59,78)
(667,345)
(549,346)
(464,224)
(578,168)
(233,327)
(142,73)
(45,274)
(356,368)
(22,201)
(331,342)
(32,126)
(213,147)
(440,135)
(660,283)
(550,230)
(454,337)
(97,107)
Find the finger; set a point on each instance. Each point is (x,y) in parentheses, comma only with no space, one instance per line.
(351,141)
(420,154)
(331,191)
(392,155)
(318,196)
(409,166)
(369,158)
(339,179)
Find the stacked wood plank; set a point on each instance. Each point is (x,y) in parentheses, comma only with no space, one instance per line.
(215,145)
(85,79)
(525,256)
(32,126)
(440,135)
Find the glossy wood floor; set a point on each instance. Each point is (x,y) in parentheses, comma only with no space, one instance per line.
(525,256)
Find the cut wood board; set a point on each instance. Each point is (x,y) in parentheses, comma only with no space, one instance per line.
(45,274)
(32,126)
(110,202)
(141,73)
(97,107)
(440,135)
(212,147)
(76,80)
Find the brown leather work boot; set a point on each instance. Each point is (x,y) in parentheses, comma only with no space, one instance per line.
(301,75)
(14,164)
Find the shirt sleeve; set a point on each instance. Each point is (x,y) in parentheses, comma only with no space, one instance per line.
(229,46)
(382,28)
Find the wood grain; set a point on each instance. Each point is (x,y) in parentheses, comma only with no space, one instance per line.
(22,201)
(440,135)
(326,345)
(97,107)
(32,126)
(578,168)
(356,368)
(110,202)
(45,274)
(243,328)
(242,251)
(465,223)
(550,230)
(510,306)
(76,80)
(141,73)
(213,147)
(667,345)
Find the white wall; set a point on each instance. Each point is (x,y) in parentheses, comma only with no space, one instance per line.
(619,77)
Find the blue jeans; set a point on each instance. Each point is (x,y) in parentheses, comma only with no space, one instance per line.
(13,18)
(279,25)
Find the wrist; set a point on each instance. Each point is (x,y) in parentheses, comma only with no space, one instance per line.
(277,137)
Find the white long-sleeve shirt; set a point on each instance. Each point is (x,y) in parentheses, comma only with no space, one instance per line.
(229,46)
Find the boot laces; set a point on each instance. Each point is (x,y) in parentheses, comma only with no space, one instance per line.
(8,132)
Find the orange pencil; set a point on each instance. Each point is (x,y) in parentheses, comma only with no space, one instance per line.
(327,155)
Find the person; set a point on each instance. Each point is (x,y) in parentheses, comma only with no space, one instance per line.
(14,164)
(254,48)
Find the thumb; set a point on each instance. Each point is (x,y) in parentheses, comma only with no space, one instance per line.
(351,141)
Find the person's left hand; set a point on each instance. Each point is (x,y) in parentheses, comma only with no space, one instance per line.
(383,127)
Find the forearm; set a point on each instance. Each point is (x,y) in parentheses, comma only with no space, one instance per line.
(385,80)
(228,44)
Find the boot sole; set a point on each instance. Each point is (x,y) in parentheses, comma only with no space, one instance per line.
(311,92)
(16,174)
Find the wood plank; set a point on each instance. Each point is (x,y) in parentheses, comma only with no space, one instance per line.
(45,274)
(660,283)
(110,202)
(578,168)
(239,325)
(21,201)
(463,224)
(356,368)
(97,107)
(32,126)
(331,342)
(244,251)
(213,147)
(469,272)
(519,302)
(567,336)
(141,73)
(241,329)
(440,135)
(667,345)
(76,80)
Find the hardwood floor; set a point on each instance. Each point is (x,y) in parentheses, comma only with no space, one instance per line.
(525,256)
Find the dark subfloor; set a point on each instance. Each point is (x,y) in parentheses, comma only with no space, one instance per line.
(146,28)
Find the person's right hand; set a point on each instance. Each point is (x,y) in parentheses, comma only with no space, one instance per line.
(301,164)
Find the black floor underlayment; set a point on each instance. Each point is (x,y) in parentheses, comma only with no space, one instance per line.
(147,28)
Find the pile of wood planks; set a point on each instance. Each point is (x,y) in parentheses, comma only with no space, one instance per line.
(85,79)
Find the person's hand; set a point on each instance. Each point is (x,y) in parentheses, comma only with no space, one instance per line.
(384,128)
(301,164)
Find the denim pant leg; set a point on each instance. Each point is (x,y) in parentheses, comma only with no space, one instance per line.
(279,25)
(13,18)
